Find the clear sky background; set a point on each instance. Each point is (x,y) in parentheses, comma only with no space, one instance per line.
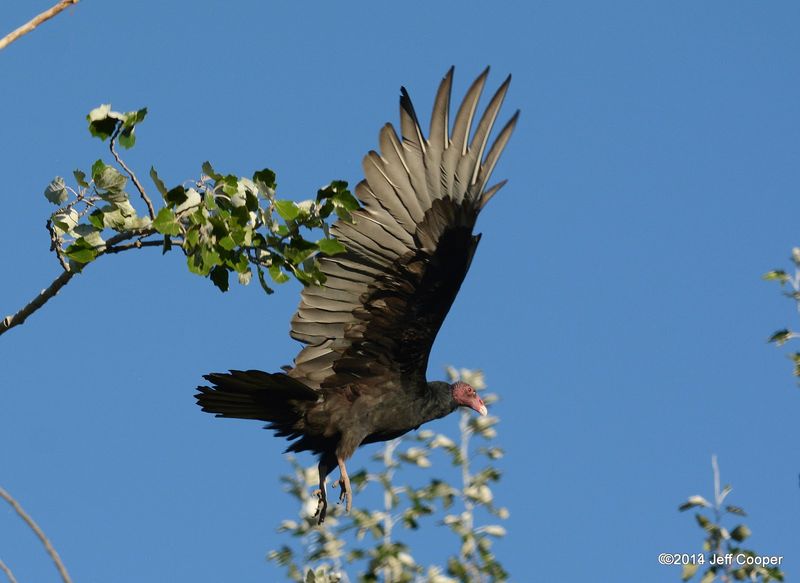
(615,302)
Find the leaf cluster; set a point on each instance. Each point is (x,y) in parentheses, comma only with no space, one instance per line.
(224,224)
(722,541)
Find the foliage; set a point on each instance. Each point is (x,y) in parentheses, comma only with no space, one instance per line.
(727,560)
(791,285)
(371,540)
(224,224)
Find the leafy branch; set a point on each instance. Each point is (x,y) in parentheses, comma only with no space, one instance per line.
(223,224)
(726,559)
(792,282)
(323,554)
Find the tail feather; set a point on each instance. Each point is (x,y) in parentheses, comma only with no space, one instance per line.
(272,397)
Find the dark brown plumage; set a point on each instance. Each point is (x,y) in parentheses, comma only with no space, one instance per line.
(369,330)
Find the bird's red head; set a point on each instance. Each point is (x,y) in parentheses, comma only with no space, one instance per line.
(466,396)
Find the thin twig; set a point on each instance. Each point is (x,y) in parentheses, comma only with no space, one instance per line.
(55,245)
(140,244)
(45,295)
(29,26)
(150,209)
(7,571)
(35,528)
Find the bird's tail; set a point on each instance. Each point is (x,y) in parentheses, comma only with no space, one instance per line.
(273,397)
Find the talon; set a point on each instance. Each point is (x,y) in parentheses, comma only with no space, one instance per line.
(322,498)
(322,506)
(344,480)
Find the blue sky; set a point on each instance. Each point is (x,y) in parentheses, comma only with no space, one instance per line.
(615,302)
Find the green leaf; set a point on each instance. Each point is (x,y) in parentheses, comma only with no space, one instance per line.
(210,257)
(176,196)
(193,199)
(740,533)
(330,246)
(208,170)
(81,251)
(230,185)
(278,276)
(134,117)
(80,178)
(103,121)
(56,191)
(97,167)
(108,178)
(780,337)
(299,250)
(165,223)
(127,138)
(693,501)
(162,188)
(705,523)
(287,209)
(776,274)
(735,510)
(219,275)
(346,200)
(227,243)
(245,276)
(265,180)
(193,235)
(96,219)
(65,221)
(195,263)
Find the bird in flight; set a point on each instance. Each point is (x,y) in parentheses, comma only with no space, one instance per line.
(368,331)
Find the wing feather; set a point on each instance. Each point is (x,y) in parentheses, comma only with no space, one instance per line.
(408,249)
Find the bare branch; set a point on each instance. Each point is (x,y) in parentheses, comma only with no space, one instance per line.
(37,302)
(4,568)
(45,295)
(29,26)
(35,528)
(150,209)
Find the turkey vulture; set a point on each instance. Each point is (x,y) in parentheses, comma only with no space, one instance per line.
(369,329)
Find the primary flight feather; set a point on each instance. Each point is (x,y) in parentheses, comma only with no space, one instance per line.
(370,328)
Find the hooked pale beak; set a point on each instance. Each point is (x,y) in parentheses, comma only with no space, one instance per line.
(480,407)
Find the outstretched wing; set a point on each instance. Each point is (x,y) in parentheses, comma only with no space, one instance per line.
(408,249)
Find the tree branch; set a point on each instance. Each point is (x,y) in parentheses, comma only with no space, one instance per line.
(35,528)
(36,303)
(140,244)
(40,300)
(150,209)
(4,568)
(29,26)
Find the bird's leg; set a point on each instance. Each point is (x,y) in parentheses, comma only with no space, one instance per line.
(344,480)
(322,498)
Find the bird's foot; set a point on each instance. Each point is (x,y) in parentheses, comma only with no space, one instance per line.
(322,505)
(345,495)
